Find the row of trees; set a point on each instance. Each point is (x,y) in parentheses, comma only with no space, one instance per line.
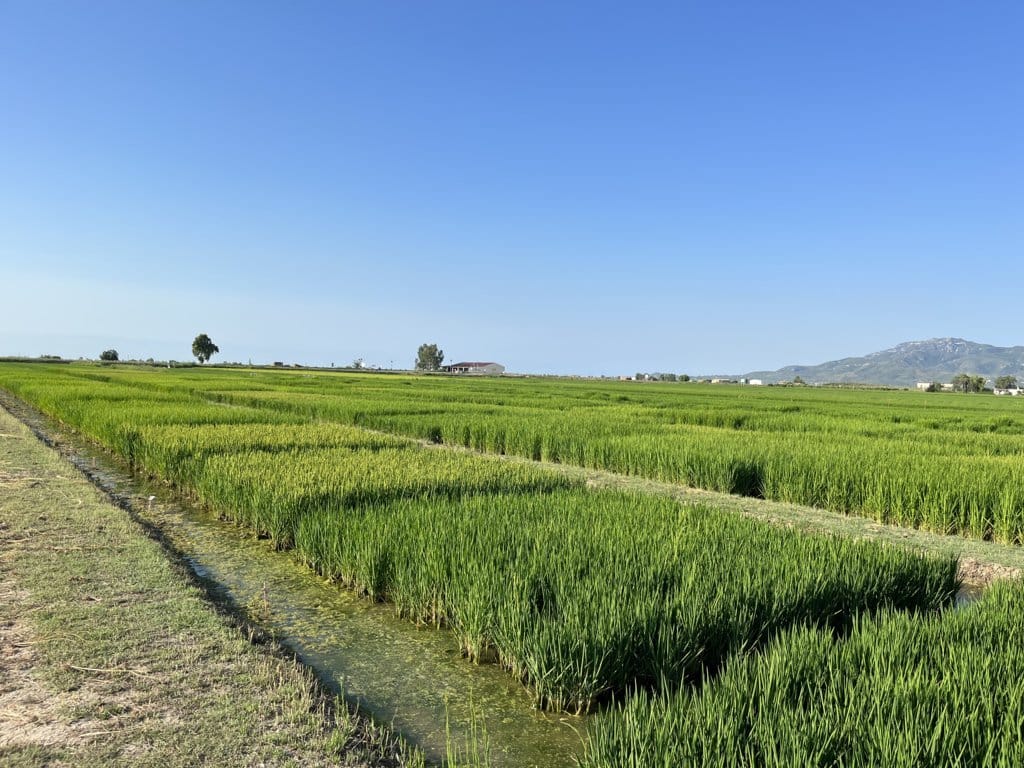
(203,349)
(428,358)
(662,377)
(966,382)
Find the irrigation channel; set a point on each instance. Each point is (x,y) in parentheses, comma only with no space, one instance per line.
(413,679)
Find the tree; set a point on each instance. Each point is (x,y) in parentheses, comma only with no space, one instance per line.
(203,348)
(357,363)
(684,377)
(1006,382)
(109,355)
(964,382)
(798,381)
(429,358)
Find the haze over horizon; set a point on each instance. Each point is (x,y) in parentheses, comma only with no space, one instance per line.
(576,188)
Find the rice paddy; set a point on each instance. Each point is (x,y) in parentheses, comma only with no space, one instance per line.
(941,689)
(945,463)
(699,636)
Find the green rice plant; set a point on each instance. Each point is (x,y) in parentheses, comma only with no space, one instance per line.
(476,750)
(584,595)
(178,452)
(270,491)
(937,689)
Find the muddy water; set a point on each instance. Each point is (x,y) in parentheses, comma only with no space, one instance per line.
(413,679)
(968,594)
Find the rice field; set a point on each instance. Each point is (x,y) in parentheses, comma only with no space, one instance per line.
(941,689)
(941,462)
(583,595)
(699,637)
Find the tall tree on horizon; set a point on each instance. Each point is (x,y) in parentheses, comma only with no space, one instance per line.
(203,348)
(429,358)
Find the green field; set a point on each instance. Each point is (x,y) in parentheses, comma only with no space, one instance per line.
(942,462)
(661,614)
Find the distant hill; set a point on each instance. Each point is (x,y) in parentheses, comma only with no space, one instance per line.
(908,363)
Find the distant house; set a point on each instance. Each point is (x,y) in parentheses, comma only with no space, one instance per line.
(1013,391)
(924,386)
(753,382)
(491,369)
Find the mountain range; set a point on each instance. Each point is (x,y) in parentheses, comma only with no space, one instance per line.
(906,364)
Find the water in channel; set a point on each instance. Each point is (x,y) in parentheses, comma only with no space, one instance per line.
(415,680)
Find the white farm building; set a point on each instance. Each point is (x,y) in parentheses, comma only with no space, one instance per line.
(492,369)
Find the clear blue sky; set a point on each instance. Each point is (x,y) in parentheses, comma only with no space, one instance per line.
(575,187)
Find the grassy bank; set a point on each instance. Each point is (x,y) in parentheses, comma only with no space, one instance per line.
(110,656)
